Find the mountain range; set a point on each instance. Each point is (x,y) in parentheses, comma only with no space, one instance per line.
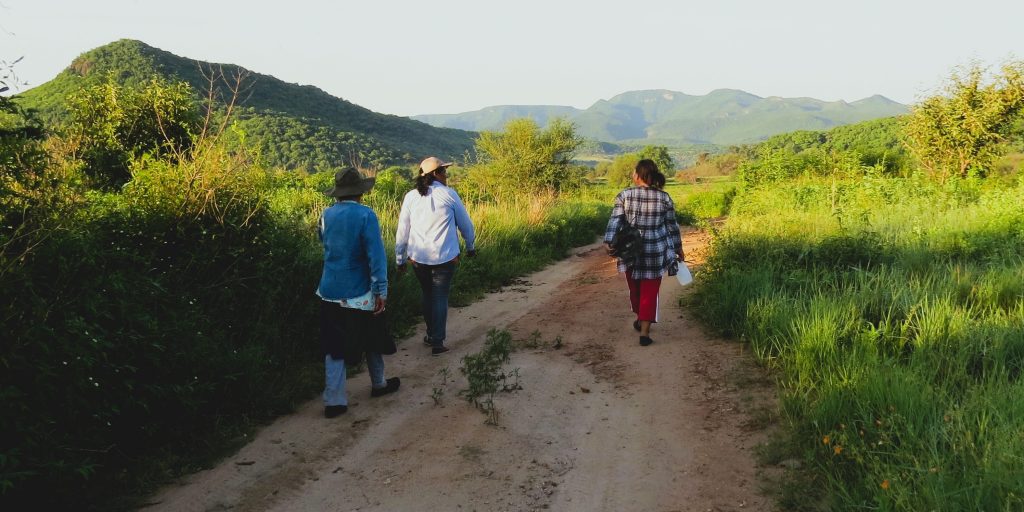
(295,126)
(303,127)
(721,117)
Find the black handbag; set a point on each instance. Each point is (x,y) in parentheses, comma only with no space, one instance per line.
(627,243)
(379,337)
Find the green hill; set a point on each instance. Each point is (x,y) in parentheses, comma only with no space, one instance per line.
(722,117)
(494,118)
(296,125)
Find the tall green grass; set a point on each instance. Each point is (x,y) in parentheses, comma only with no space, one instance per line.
(156,325)
(892,311)
(696,203)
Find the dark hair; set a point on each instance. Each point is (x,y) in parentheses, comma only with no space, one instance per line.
(353,197)
(423,182)
(648,173)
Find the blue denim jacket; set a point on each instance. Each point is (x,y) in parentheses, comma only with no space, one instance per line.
(354,257)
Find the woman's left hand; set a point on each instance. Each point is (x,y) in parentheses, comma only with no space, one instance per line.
(379,304)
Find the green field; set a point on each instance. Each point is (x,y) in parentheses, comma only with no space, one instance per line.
(892,313)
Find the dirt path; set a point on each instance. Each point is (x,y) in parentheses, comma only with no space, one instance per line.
(601,424)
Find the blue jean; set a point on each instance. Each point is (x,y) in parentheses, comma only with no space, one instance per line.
(435,282)
(335,374)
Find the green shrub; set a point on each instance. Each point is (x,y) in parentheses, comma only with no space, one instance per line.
(707,204)
(159,318)
(151,328)
(893,312)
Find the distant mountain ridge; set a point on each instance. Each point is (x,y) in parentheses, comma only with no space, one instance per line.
(296,125)
(722,117)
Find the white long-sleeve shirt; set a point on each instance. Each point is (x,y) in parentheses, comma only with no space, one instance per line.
(427,226)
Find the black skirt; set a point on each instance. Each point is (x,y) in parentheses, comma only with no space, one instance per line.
(347,333)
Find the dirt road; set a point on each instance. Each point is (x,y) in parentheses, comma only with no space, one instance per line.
(600,424)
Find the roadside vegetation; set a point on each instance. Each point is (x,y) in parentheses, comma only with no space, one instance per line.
(878,272)
(157,273)
(158,283)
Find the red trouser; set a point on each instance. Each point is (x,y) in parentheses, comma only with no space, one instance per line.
(643,296)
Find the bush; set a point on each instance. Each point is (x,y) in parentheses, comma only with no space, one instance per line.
(707,204)
(151,328)
(110,125)
(526,158)
(892,312)
(620,174)
(172,310)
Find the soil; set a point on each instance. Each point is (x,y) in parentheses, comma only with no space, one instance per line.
(600,423)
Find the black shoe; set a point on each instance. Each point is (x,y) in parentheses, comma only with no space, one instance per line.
(636,325)
(333,411)
(426,341)
(436,351)
(391,387)
(645,340)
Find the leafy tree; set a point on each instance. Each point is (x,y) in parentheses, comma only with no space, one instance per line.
(15,122)
(110,124)
(526,157)
(308,144)
(772,165)
(708,165)
(31,192)
(963,130)
(878,142)
(7,78)
(601,169)
(620,173)
(660,156)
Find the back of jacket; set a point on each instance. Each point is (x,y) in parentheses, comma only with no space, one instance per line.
(354,257)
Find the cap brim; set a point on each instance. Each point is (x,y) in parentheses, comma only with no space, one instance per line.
(444,165)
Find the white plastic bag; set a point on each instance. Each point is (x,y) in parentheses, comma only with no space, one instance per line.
(684,275)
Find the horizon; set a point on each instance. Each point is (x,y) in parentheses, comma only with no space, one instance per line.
(592,103)
(588,105)
(563,58)
(841,100)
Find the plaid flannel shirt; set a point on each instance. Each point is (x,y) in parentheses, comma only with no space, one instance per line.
(653,212)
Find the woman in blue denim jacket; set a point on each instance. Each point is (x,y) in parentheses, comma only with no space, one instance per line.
(354,291)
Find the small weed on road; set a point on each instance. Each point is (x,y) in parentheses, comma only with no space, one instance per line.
(437,392)
(486,375)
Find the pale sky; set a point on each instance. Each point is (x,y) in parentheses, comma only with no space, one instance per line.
(449,56)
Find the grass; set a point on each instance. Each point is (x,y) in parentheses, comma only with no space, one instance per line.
(698,202)
(892,311)
(172,325)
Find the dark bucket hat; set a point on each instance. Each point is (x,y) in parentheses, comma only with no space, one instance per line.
(348,182)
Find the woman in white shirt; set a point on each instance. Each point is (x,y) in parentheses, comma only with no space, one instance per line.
(431,214)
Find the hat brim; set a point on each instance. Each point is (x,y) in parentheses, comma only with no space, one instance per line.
(355,189)
(444,165)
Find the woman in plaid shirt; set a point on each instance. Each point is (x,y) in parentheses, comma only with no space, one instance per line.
(651,210)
